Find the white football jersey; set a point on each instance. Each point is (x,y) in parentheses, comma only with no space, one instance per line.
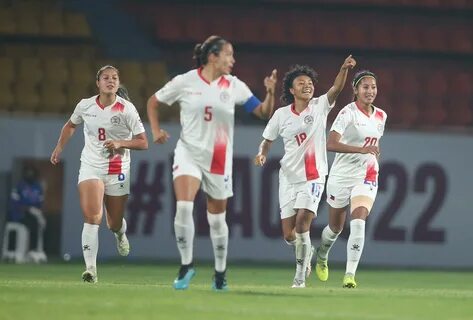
(359,129)
(207,116)
(118,121)
(304,137)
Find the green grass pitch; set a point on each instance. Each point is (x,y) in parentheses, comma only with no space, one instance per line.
(143,291)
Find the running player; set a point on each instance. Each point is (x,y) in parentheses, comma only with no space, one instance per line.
(353,179)
(301,124)
(203,156)
(112,127)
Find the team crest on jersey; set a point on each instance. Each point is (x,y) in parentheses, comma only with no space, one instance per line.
(115,120)
(308,119)
(224,96)
(380,128)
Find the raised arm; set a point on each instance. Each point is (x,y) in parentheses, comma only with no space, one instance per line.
(66,133)
(266,108)
(340,80)
(159,135)
(263,150)
(334,145)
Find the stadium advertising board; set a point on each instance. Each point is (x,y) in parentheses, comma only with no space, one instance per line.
(421,217)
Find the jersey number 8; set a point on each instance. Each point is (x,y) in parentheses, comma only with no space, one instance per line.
(102,136)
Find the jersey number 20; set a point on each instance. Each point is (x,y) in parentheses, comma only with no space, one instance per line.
(370,141)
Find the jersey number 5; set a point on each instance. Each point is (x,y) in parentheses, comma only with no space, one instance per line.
(208,113)
(102,136)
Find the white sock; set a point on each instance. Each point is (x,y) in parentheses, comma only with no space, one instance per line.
(90,244)
(355,244)
(219,237)
(327,240)
(122,230)
(303,247)
(184,230)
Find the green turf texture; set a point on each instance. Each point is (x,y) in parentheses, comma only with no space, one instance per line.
(144,291)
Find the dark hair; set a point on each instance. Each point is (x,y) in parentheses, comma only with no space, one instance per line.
(213,44)
(287,97)
(101,70)
(357,79)
(123,92)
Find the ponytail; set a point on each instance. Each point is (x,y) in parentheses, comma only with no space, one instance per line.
(213,45)
(123,92)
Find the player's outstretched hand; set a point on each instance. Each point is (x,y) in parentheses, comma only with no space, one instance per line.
(55,155)
(270,82)
(349,63)
(260,160)
(161,137)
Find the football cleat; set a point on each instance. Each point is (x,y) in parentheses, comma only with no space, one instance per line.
(123,245)
(321,268)
(219,282)
(90,275)
(184,277)
(298,283)
(349,281)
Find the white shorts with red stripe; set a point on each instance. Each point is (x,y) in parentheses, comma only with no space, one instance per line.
(302,195)
(215,185)
(117,184)
(340,190)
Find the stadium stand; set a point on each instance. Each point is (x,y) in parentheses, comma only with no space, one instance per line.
(420,49)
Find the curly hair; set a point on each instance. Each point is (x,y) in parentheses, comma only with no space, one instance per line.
(287,97)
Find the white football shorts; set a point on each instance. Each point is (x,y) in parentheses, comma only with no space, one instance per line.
(217,186)
(341,190)
(302,195)
(115,184)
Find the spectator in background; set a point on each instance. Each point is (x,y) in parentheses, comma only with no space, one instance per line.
(302,125)
(203,156)
(353,179)
(26,203)
(112,127)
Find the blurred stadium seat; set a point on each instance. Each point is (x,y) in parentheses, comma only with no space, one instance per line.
(55,70)
(8,72)
(7,99)
(53,97)
(76,25)
(28,20)
(27,97)
(81,72)
(75,93)
(52,23)
(29,70)
(7,21)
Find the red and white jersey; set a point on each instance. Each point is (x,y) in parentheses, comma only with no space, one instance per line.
(207,116)
(304,137)
(359,129)
(118,121)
